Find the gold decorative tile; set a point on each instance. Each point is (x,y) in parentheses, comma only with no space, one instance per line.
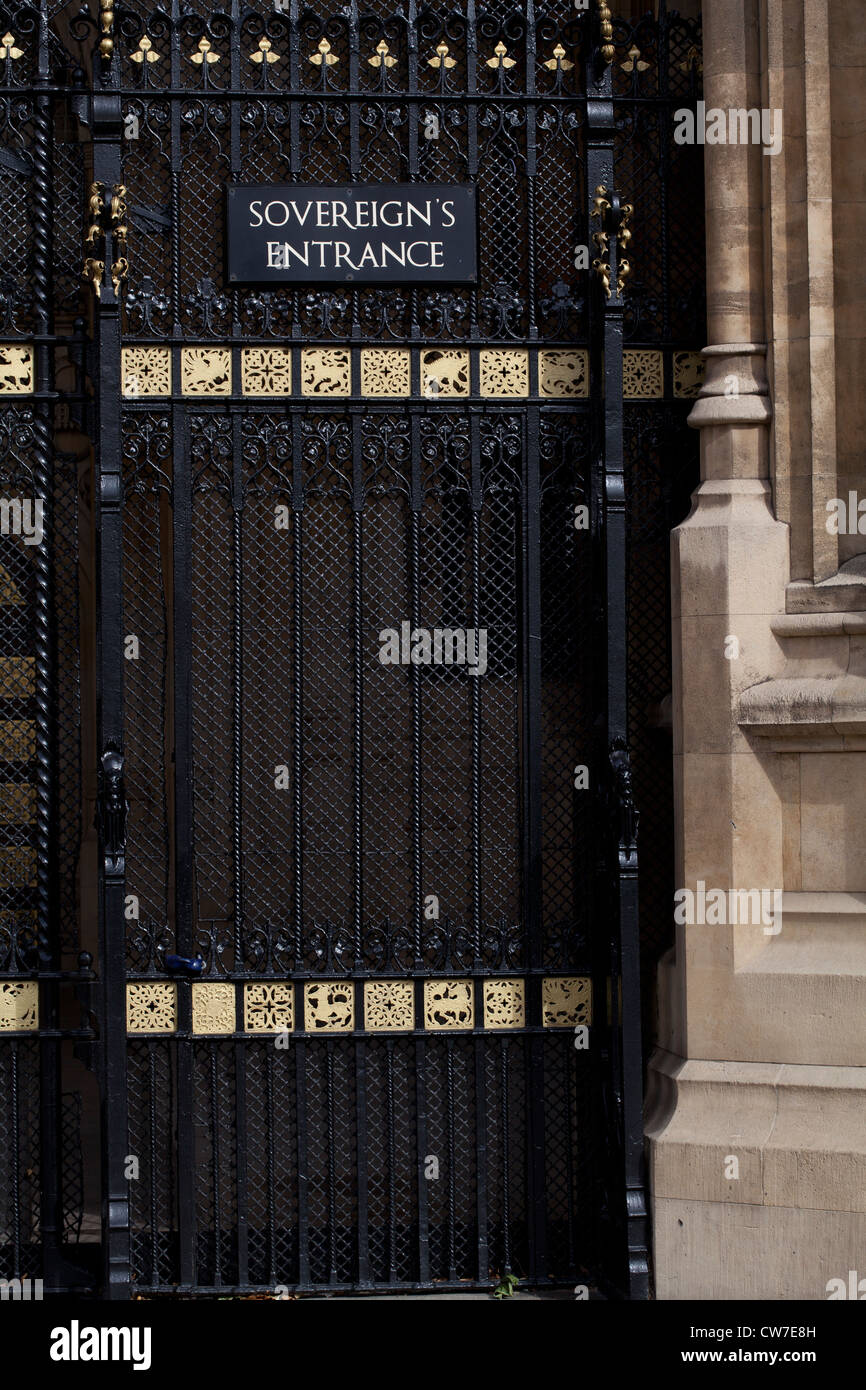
(19,1006)
(151,1007)
(448,1004)
(389,1006)
(326,372)
(563,375)
(689,368)
(17,369)
(445,372)
(385,372)
(329,1007)
(642,374)
(504,1004)
(266,371)
(145,371)
(269,1008)
(213,1008)
(206,371)
(566,1001)
(504,372)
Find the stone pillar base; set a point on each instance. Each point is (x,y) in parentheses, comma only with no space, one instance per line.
(794,1216)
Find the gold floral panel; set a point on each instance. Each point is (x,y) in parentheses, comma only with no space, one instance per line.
(642,374)
(566,1001)
(17,374)
(445,372)
(213,1008)
(504,1004)
(386,372)
(151,1007)
(563,375)
(326,372)
(689,368)
(145,372)
(206,371)
(19,1006)
(448,1004)
(269,1008)
(266,371)
(504,372)
(329,1007)
(389,1006)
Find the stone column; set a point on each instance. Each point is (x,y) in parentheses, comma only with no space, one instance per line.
(757,1151)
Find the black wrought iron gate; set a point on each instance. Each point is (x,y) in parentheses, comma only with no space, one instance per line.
(363,1003)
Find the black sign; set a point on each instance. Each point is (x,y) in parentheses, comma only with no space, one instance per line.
(365,234)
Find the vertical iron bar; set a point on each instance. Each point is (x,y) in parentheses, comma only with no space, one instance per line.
(47,928)
(298,688)
(301,1110)
(183,830)
(237,691)
(421,1139)
(530,569)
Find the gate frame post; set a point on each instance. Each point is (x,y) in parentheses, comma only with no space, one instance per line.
(107,133)
(626,1265)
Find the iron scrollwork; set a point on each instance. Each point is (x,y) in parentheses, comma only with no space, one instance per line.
(106,212)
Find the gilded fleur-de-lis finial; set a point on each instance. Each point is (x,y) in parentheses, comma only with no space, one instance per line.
(691,60)
(265,53)
(145,53)
(383,57)
(559,62)
(499,59)
(205,54)
(324,58)
(8,49)
(634,61)
(442,58)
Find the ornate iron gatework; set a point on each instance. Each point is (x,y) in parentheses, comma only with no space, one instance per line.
(378,572)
